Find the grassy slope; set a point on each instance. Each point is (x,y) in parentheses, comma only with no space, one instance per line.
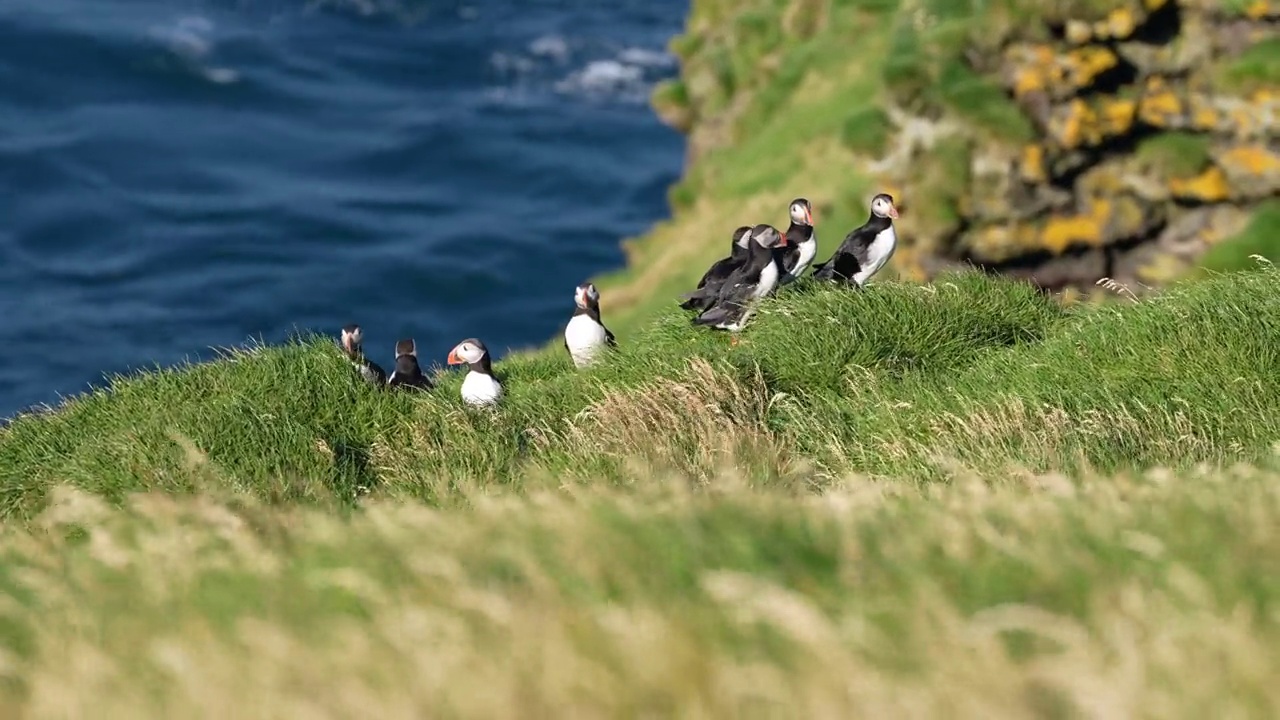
(720,531)
(979,370)
(882,504)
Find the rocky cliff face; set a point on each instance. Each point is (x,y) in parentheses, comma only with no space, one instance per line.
(1059,141)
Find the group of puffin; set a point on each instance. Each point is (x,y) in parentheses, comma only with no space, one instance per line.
(760,260)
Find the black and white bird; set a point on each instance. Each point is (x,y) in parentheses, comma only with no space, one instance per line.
(479,388)
(407,374)
(754,280)
(802,243)
(586,334)
(353,346)
(704,296)
(866,249)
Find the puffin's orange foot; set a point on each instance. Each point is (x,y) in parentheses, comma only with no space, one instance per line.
(733,341)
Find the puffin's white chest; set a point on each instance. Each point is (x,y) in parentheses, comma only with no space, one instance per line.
(480,389)
(768,280)
(808,249)
(878,253)
(765,285)
(584,336)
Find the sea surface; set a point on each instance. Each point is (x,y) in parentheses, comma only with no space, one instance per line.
(183,175)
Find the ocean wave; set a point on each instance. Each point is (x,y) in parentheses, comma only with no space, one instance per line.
(190,40)
(581,68)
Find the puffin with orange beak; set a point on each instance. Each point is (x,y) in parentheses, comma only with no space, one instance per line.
(479,388)
(802,244)
(586,334)
(865,249)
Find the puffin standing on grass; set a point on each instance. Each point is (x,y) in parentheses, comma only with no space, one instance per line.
(802,244)
(586,334)
(754,280)
(704,296)
(479,388)
(866,249)
(352,345)
(407,374)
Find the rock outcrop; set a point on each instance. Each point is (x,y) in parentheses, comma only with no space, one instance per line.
(1114,139)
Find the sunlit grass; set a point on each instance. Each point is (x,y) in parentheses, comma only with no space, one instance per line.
(1013,595)
(981,369)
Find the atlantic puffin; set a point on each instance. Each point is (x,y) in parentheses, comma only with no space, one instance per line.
(353,346)
(866,249)
(586,333)
(802,244)
(755,279)
(704,296)
(407,374)
(479,388)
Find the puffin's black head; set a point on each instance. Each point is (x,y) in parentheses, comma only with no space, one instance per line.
(352,337)
(742,236)
(468,352)
(801,212)
(882,206)
(406,347)
(586,296)
(767,236)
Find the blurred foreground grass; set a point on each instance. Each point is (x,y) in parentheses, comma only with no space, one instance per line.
(1140,595)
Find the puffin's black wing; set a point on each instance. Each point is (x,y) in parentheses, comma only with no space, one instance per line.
(719,270)
(734,296)
(709,286)
(608,337)
(849,258)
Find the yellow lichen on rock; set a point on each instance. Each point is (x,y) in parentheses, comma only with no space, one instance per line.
(1034,68)
(1031,166)
(1118,25)
(1061,232)
(1159,106)
(1251,171)
(1209,186)
(1077,124)
(1262,9)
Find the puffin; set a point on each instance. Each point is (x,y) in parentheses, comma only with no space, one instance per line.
(407,374)
(586,334)
(479,388)
(755,279)
(802,244)
(704,296)
(865,249)
(352,345)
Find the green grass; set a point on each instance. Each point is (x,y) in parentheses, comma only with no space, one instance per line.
(1144,595)
(979,370)
(1175,154)
(1261,238)
(1256,68)
(867,131)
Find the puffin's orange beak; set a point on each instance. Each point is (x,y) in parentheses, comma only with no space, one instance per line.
(453,357)
(808,216)
(893,211)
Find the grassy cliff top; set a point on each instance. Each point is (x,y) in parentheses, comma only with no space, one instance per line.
(894,382)
(926,499)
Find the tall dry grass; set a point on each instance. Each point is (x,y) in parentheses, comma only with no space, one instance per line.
(1112,597)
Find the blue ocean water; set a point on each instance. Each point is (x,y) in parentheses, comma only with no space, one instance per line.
(179,175)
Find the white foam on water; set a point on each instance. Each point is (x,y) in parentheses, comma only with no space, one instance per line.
(190,40)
